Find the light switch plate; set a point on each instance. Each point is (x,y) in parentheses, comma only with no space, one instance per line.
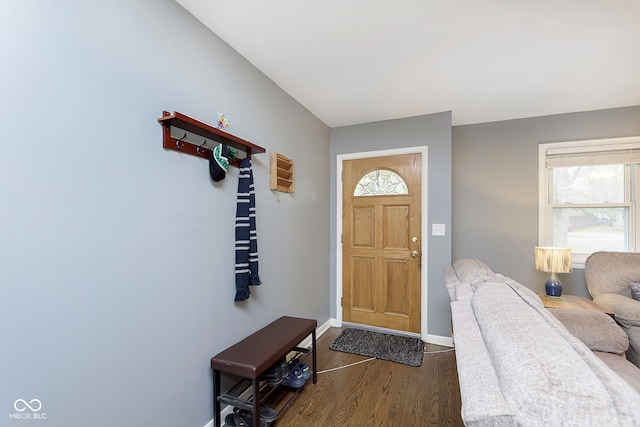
(437,230)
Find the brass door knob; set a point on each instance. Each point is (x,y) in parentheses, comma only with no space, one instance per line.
(414,254)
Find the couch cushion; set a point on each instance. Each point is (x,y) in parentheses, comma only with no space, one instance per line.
(451,281)
(626,310)
(525,293)
(621,366)
(543,370)
(471,270)
(482,401)
(611,272)
(597,330)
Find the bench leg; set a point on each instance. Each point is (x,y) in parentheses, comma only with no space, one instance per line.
(313,355)
(256,403)
(216,393)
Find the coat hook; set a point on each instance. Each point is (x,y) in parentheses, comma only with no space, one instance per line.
(198,148)
(178,141)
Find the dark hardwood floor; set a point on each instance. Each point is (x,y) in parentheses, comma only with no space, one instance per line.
(378,392)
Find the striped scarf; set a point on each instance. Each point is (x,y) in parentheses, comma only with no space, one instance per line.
(246,239)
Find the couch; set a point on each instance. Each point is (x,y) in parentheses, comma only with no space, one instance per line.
(608,276)
(519,365)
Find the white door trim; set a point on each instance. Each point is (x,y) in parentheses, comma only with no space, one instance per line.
(423,272)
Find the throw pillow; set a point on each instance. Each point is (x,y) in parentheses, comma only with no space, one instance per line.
(595,329)
(635,290)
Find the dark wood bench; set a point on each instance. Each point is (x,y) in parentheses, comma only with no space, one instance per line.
(254,355)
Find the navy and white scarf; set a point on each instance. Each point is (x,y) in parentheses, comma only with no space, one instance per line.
(246,239)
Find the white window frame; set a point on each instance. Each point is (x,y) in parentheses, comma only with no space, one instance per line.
(545,205)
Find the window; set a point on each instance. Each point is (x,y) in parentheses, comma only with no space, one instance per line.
(380,182)
(588,191)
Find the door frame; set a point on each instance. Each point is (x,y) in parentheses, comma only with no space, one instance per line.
(423,150)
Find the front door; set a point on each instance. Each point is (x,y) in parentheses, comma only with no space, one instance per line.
(381,224)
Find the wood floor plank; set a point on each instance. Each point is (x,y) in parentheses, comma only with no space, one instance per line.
(378,392)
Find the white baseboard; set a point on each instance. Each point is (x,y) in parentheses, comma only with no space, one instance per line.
(223,414)
(437,339)
(331,323)
(306,343)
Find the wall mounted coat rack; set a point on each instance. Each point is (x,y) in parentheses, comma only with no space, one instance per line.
(195,129)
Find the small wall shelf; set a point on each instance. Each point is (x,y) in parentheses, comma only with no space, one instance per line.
(206,132)
(282,173)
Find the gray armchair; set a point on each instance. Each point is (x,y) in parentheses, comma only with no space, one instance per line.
(608,275)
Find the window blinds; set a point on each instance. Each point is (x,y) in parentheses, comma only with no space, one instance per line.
(609,154)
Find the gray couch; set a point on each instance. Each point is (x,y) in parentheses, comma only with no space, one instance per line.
(608,275)
(518,364)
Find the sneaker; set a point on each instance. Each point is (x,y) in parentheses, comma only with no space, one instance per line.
(294,379)
(301,368)
(246,419)
(277,373)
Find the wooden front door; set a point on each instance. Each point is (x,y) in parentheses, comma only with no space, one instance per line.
(381,241)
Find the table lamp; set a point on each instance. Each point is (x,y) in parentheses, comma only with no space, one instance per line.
(553,260)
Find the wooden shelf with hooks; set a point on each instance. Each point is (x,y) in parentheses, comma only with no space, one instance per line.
(185,144)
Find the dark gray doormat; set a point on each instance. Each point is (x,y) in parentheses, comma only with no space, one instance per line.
(381,346)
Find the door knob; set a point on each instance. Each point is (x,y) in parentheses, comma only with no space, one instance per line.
(414,239)
(414,254)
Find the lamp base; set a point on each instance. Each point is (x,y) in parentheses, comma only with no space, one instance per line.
(553,287)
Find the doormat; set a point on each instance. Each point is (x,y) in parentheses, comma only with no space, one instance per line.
(394,348)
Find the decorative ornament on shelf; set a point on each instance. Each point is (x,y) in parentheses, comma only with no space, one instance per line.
(223,122)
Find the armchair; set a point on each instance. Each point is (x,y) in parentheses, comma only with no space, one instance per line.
(608,275)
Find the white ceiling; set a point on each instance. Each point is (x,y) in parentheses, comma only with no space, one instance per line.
(358,61)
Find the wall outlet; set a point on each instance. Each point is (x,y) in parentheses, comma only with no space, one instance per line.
(437,230)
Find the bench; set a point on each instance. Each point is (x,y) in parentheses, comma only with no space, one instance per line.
(254,355)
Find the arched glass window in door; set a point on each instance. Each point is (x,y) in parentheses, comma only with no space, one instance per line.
(380,182)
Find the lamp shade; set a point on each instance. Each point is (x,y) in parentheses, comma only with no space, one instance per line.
(552,260)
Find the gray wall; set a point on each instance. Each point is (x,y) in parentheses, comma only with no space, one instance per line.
(434,131)
(495,187)
(117,256)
